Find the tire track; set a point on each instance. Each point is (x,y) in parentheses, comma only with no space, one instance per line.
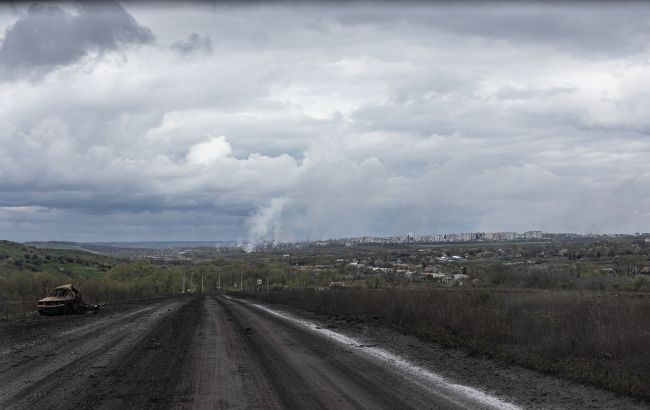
(65,364)
(309,371)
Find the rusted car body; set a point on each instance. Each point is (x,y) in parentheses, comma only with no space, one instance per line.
(62,300)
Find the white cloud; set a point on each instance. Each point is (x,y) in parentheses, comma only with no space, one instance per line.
(210,151)
(312,122)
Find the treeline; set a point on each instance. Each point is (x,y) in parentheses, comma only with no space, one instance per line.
(592,337)
(558,276)
(104,282)
(278,274)
(126,280)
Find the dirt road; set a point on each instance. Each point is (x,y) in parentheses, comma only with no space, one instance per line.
(216,352)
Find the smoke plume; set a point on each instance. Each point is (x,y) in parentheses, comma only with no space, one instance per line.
(266,223)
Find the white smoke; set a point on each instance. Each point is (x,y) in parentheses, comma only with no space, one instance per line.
(266,223)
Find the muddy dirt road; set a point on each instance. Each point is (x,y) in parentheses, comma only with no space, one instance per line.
(217,352)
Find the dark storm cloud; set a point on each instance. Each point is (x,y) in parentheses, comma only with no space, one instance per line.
(610,29)
(48,37)
(193,45)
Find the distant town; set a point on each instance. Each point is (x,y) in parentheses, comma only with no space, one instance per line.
(443,238)
(180,250)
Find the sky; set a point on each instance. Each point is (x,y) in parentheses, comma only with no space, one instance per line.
(274,121)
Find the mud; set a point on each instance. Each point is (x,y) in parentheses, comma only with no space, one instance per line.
(529,389)
(208,351)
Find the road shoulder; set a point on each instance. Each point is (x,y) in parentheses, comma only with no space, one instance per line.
(526,387)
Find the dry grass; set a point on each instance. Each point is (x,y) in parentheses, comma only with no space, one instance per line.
(595,338)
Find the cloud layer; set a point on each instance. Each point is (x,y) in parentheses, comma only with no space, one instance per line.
(47,37)
(271,122)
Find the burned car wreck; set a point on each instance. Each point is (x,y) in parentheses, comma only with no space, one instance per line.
(63,300)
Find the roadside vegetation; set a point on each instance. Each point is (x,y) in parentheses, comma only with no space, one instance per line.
(28,274)
(591,337)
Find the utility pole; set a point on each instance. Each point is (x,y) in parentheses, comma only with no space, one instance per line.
(219,282)
(241,282)
(267,283)
(183,282)
(201,281)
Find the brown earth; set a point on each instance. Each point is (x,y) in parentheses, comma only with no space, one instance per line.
(214,352)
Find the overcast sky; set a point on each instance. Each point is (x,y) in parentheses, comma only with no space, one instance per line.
(268,121)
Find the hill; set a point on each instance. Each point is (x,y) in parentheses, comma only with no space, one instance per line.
(28,273)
